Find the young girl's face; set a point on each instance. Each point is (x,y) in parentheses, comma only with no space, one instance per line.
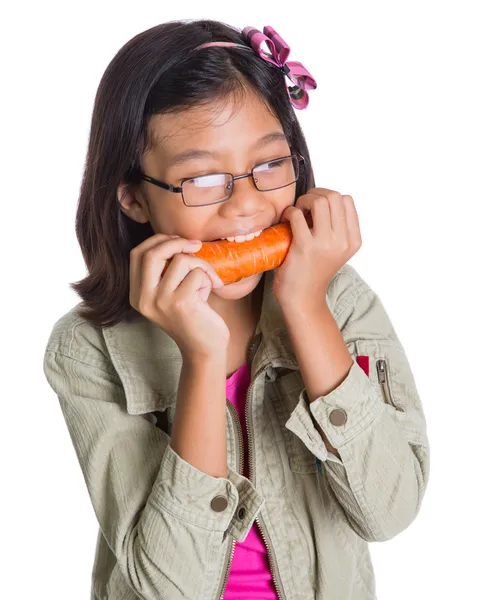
(230,131)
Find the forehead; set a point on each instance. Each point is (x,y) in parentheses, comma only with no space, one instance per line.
(229,124)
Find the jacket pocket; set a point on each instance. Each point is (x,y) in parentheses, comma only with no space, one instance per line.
(288,389)
(383,368)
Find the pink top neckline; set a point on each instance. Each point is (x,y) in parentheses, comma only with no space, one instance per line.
(232,380)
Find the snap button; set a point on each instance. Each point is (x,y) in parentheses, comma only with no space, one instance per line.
(219,503)
(241,512)
(338,416)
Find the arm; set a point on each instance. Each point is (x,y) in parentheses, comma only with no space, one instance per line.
(321,352)
(153,507)
(202,446)
(380,470)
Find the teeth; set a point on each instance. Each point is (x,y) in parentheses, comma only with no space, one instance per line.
(243,238)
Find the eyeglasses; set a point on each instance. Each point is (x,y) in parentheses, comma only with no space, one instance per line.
(218,187)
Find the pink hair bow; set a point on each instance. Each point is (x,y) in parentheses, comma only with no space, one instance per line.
(295,71)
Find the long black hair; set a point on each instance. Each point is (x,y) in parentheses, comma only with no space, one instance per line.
(157,72)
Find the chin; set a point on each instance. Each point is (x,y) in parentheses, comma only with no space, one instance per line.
(239,289)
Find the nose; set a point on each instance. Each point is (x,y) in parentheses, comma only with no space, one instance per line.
(245,200)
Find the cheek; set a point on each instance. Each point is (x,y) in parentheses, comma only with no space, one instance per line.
(286,199)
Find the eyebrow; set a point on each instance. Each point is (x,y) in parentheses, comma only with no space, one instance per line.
(193,153)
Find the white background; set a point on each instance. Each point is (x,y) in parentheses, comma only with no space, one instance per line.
(406,119)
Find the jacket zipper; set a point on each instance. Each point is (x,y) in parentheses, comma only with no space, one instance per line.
(230,554)
(383,380)
(271,553)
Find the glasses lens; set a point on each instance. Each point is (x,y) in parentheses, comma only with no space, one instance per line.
(276,173)
(207,189)
(216,187)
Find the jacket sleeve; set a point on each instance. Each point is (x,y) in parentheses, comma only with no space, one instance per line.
(154,509)
(377,421)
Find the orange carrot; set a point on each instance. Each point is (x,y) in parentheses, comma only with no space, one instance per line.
(234,261)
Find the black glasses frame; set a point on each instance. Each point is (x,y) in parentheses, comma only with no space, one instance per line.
(179,189)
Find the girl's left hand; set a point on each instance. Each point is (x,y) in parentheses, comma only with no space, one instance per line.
(316,254)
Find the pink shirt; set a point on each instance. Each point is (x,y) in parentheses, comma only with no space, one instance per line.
(250,577)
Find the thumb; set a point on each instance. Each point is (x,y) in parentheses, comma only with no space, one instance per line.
(204,292)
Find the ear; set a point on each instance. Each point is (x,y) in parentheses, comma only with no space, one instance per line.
(132,203)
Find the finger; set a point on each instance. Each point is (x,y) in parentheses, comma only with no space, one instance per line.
(338,216)
(196,281)
(180,267)
(320,191)
(318,207)
(321,212)
(302,205)
(352,221)
(136,260)
(298,224)
(154,261)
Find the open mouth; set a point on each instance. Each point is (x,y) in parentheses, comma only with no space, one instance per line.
(240,239)
(234,241)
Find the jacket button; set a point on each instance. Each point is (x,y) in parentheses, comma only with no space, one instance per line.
(219,503)
(241,512)
(338,416)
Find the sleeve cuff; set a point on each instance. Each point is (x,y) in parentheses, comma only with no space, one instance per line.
(353,405)
(185,492)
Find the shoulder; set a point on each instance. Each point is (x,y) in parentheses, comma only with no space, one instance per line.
(77,364)
(74,337)
(345,288)
(76,361)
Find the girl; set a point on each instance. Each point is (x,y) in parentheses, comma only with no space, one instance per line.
(244,440)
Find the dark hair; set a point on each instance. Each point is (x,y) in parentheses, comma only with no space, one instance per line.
(153,73)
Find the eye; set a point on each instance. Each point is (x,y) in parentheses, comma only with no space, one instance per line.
(196,175)
(271,164)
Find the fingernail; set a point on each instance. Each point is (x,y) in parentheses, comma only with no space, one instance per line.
(196,242)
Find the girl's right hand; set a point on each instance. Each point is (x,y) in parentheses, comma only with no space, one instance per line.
(177,301)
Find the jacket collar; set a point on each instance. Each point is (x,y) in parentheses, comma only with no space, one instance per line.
(148,360)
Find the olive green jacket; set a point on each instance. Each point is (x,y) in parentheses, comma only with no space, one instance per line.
(167,531)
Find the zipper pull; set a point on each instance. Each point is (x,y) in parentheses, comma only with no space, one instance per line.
(380,371)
